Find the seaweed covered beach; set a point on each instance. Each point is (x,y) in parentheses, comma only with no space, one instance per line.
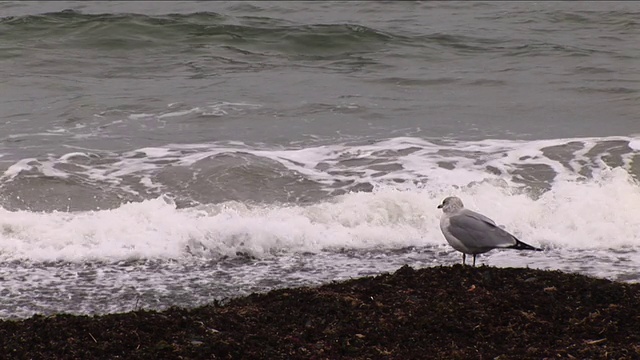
(432,313)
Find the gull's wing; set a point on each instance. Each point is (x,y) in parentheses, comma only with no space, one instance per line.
(478,231)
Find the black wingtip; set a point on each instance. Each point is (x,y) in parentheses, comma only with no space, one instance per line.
(522,246)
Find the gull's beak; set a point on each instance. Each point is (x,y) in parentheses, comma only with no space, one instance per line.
(440,206)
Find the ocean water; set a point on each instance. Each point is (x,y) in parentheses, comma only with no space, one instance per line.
(171,153)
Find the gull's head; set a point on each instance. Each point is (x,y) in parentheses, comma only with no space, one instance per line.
(451,204)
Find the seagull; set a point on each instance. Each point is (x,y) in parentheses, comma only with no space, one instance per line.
(472,233)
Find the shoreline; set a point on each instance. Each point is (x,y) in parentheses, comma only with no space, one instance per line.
(438,313)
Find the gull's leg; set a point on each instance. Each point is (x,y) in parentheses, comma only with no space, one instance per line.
(464,259)
(474,260)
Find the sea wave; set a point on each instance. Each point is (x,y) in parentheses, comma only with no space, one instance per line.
(597,213)
(71,28)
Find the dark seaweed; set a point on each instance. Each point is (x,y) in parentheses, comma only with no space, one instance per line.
(433,313)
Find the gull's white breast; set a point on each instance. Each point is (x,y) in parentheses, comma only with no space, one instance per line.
(452,240)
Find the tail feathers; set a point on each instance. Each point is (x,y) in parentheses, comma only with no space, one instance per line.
(522,246)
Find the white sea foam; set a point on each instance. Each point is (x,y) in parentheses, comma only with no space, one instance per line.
(594,214)
(22,165)
(394,162)
(68,156)
(220,108)
(579,209)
